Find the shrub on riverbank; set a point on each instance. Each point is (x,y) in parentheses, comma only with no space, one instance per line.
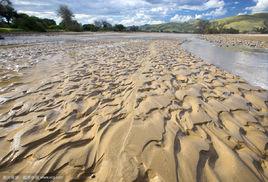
(32,23)
(90,27)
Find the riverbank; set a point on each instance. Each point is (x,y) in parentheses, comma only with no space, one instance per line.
(255,41)
(124,109)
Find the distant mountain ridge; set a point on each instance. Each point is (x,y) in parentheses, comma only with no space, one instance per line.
(242,23)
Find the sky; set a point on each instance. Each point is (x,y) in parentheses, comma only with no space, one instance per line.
(140,12)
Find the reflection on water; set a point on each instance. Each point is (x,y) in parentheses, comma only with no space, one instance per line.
(252,66)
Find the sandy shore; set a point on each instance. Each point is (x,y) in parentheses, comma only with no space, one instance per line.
(128,110)
(239,40)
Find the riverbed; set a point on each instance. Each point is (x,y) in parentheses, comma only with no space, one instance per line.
(250,64)
(130,107)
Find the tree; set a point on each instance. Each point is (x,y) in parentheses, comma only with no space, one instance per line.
(74,26)
(98,23)
(103,25)
(65,13)
(90,27)
(49,22)
(263,30)
(230,31)
(107,25)
(68,23)
(32,23)
(7,12)
(119,28)
(29,23)
(202,26)
(133,28)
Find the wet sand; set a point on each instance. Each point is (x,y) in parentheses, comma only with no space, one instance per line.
(128,110)
(256,41)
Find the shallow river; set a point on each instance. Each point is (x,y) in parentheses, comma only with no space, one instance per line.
(252,65)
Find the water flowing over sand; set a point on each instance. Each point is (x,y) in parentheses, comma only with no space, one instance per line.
(250,64)
(130,110)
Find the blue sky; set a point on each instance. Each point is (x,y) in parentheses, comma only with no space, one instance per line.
(139,12)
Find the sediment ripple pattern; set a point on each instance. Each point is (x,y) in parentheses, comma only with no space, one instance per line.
(133,111)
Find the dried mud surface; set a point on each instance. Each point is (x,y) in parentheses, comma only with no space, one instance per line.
(132,110)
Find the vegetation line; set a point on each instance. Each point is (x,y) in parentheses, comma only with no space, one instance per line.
(12,21)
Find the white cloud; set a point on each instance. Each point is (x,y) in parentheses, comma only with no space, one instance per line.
(198,16)
(181,18)
(127,12)
(130,3)
(31,3)
(45,14)
(185,18)
(243,13)
(214,13)
(211,4)
(84,18)
(161,10)
(214,4)
(217,12)
(261,6)
(139,19)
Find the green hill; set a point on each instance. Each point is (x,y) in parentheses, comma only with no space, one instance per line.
(185,27)
(245,23)
(242,23)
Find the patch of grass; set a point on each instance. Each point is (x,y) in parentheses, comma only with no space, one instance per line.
(10,30)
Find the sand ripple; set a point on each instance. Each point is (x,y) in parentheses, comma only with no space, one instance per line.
(132,111)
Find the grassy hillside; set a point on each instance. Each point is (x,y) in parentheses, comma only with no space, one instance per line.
(242,23)
(245,23)
(186,27)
